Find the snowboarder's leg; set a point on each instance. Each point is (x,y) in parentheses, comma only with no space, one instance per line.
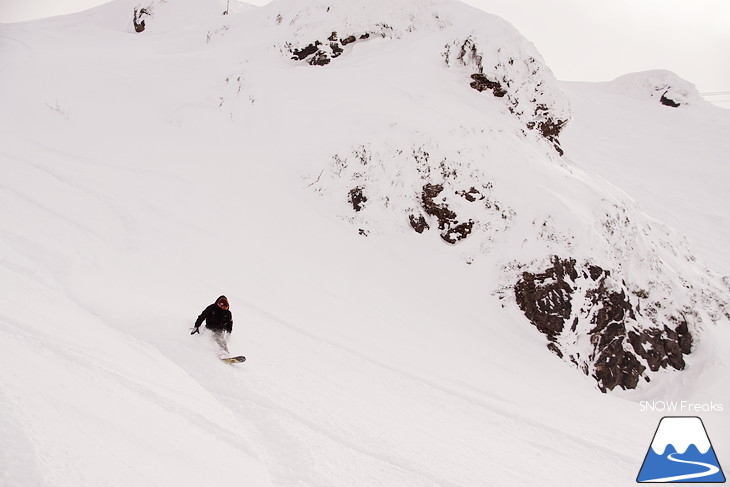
(221,338)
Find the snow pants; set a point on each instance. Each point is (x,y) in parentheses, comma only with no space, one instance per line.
(221,339)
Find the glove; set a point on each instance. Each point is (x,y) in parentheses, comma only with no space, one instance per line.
(196,330)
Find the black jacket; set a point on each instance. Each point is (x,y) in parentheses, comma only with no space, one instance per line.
(216,318)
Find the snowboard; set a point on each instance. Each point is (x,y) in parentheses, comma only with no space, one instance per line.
(234,360)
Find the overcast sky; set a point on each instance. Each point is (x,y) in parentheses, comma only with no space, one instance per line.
(581,40)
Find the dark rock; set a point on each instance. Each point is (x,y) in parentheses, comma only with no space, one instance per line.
(336,49)
(481,83)
(301,54)
(618,346)
(441,211)
(668,102)
(418,224)
(458,232)
(574,326)
(550,129)
(315,55)
(472,195)
(674,356)
(518,103)
(469,51)
(614,308)
(554,348)
(545,298)
(595,272)
(616,367)
(432,190)
(320,59)
(684,338)
(663,348)
(357,198)
(451,230)
(139,24)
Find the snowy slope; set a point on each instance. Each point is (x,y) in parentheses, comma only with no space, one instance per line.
(200,156)
(672,161)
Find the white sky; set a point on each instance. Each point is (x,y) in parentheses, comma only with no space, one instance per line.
(581,40)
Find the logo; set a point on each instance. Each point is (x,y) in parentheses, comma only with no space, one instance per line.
(681,452)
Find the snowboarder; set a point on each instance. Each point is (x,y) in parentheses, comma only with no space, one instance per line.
(219,320)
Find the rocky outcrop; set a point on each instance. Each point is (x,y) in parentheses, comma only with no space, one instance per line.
(548,127)
(452,231)
(662,348)
(482,83)
(139,19)
(545,298)
(659,85)
(357,198)
(471,195)
(567,302)
(441,211)
(319,53)
(422,186)
(668,102)
(519,77)
(418,223)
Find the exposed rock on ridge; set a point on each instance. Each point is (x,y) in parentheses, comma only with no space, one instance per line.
(518,74)
(566,298)
(427,191)
(319,31)
(320,53)
(476,176)
(661,85)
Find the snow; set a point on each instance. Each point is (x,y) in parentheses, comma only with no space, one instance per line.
(160,170)
(681,184)
(655,85)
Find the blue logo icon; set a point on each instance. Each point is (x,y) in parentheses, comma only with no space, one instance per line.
(681,452)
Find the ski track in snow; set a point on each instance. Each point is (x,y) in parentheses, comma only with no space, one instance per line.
(495,407)
(279,417)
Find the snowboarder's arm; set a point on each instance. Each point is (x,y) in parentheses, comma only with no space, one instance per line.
(202,317)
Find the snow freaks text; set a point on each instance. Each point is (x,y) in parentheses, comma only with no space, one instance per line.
(680,407)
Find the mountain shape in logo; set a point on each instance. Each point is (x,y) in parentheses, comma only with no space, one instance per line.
(681,452)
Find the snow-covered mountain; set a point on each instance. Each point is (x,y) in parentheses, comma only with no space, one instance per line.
(684,431)
(437,255)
